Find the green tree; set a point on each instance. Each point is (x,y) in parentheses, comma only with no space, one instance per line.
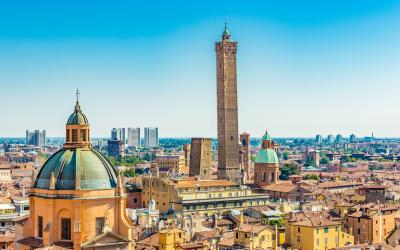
(289,169)
(311,177)
(285,155)
(128,161)
(324,160)
(130,172)
(280,222)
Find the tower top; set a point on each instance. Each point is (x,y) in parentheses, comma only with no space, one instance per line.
(226,33)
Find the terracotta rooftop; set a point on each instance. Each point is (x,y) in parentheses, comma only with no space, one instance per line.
(283,188)
(31,241)
(152,241)
(248,228)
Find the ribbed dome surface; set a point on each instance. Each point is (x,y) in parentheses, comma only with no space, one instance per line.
(77,118)
(267,155)
(77,168)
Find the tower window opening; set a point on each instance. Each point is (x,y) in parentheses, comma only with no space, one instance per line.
(83,135)
(74,135)
(67,136)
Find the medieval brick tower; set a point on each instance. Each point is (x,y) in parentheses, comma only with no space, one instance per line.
(227,109)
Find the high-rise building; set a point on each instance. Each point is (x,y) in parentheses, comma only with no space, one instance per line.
(227,109)
(134,137)
(118,134)
(200,157)
(353,138)
(116,148)
(318,138)
(245,153)
(151,137)
(339,138)
(36,138)
(330,139)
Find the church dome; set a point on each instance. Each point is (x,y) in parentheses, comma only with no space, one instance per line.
(76,168)
(267,154)
(77,165)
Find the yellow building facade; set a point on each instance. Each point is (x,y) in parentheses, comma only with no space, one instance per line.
(316,233)
(206,197)
(77,201)
(170,239)
(255,237)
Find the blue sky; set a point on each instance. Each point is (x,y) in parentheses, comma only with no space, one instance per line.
(304,67)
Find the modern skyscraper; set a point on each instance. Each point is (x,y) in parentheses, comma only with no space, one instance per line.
(318,138)
(227,109)
(353,138)
(339,138)
(151,137)
(36,138)
(134,137)
(200,157)
(330,138)
(118,134)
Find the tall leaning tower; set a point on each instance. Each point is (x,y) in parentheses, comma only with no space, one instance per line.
(227,109)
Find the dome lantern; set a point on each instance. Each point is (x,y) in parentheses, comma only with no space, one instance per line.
(77,127)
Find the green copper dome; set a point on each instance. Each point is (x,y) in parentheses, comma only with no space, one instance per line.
(76,168)
(226,32)
(77,118)
(266,137)
(267,155)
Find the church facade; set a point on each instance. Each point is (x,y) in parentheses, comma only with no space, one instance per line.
(78,200)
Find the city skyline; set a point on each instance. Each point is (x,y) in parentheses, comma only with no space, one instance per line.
(329,72)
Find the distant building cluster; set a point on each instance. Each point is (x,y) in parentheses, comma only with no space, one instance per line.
(120,140)
(36,138)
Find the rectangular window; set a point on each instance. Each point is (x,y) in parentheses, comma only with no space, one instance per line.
(65,229)
(83,135)
(74,135)
(326,230)
(67,137)
(40,226)
(99,225)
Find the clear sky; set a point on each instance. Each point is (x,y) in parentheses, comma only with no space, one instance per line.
(304,67)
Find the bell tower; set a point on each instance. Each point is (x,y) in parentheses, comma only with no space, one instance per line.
(227,109)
